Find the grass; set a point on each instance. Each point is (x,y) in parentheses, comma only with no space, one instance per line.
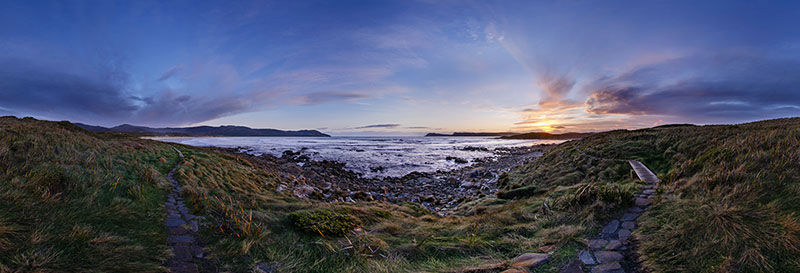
(74,201)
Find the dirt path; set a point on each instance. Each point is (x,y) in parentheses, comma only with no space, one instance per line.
(181,229)
(610,251)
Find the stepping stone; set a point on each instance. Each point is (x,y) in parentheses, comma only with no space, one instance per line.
(182,253)
(648,187)
(613,245)
(174,222)
(611,227)
(624,234)
(263,267)
(183,268)
(573,266)
(608,268)
(528,260)
(180,239)
(604,257)
(649,192)
(629,225)
(636,210)
(629,216)
(643,202)
(586,258)
(189,217)
(177,231)
(599,243)
(197,251)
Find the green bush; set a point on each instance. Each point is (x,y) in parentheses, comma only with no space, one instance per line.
(323,221)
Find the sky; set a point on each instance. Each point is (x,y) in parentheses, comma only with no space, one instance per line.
(401,67)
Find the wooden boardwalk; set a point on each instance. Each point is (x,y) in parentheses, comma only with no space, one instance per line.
(643,172)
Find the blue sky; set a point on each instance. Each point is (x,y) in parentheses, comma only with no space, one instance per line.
(401,67)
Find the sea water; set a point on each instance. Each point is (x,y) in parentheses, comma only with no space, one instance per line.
(373,156)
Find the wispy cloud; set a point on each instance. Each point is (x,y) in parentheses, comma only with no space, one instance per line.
(378,126)
(719,87)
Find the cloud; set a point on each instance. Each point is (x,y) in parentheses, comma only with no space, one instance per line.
(378,126)
(170,72)
(100,95)
(327,96)
(717,88)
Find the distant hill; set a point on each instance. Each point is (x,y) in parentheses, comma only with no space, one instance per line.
(542,135)
(469,134)
(201,131)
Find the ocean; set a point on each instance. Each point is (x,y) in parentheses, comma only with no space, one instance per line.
(373,156)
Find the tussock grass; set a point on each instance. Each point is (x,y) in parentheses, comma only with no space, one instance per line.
(731,199)
(74,201)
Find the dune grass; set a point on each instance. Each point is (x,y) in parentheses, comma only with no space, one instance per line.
(74,201)
(730,201)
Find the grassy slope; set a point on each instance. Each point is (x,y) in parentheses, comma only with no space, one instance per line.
(69,201)
(74,201)
(731,192)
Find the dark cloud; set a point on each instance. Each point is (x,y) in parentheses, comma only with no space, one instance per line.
(379,126)
(99,96)
(720,88)
(328,96)
(28,88)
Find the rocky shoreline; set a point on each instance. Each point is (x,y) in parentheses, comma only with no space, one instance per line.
(439,191)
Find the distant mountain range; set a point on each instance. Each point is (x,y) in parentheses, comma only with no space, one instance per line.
(202,131)
(470,134)
(542,135)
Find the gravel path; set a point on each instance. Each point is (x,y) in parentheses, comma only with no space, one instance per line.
(181,229)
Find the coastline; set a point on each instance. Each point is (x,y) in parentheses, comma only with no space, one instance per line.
(439,191)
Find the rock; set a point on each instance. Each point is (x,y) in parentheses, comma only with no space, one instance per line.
(649,191)
(281,187)
(586,257)
(467,184)
(182,267)
(608,268)
(599,243)
(630,216)
(528,260)
(604,257)
(624,234)
(648,187)
(573,266)
(263,268)
(181,253)
(304,191)
(611,227)
(180,239)
(174,222)
(613,245)
(629,225)
(636,210)
(643,202)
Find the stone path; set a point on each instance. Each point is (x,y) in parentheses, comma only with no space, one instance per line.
(181,229)
(606,251)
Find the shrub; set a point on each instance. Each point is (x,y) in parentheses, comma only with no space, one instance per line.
(323,221)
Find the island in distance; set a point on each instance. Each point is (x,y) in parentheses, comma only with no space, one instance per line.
(226,130)
(511,135)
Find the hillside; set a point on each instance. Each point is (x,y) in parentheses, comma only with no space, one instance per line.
(730,193)
(77,201)
(543,135)
(202,131)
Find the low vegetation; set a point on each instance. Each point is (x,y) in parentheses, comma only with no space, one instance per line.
(75,201)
